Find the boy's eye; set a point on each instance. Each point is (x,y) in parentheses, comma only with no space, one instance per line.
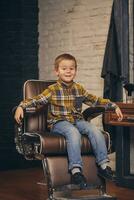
(71,68)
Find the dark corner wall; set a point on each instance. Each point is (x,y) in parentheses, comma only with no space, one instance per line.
(18,62)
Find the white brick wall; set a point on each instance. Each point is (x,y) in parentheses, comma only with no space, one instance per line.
(78,27)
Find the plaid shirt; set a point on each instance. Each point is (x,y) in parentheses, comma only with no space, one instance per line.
(64,101)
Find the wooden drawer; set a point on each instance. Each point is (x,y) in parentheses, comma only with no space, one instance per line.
(110,117)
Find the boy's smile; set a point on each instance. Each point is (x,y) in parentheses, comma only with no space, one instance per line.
(66,71)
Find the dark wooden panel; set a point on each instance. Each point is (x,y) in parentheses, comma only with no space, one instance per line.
(18,62)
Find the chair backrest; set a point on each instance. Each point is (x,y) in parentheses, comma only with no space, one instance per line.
(36,122)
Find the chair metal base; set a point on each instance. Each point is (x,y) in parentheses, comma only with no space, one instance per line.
(81,196)
(91,197)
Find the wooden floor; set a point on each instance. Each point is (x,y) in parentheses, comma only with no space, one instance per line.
(25,185)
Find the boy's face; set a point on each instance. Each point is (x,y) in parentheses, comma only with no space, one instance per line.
(66,70)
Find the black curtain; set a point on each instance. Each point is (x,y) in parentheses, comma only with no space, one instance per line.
(18,62)
(115,69)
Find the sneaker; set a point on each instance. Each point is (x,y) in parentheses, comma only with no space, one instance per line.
(106,173)
(79,179)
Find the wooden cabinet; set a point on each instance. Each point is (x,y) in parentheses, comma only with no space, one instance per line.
(123,164)
(128,116)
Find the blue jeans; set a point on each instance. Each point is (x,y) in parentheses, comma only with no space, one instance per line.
(73,132)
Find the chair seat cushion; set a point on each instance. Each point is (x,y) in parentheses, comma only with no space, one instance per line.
(54,144)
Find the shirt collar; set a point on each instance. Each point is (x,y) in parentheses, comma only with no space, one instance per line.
(65,85)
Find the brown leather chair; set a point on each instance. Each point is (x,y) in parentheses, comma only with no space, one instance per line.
(34,141)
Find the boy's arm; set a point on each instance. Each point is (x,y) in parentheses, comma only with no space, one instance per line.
(19,114)
(40,99)
(112,105)
(94,100)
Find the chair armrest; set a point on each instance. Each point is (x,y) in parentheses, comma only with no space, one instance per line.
(27,144)
(18,137)
(34,109)
(31,110)
(18,129)
(93,112)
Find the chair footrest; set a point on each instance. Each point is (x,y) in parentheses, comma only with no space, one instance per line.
(76,187)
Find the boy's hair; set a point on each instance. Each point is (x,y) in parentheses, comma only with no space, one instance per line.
(64,56)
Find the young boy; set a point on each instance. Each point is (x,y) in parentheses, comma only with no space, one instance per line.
(65,100)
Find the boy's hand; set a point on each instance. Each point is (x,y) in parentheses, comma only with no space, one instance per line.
(19,114)
(119,113)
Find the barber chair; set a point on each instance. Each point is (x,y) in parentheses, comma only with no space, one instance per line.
(34,141)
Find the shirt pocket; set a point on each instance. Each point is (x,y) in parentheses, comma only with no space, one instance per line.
(78,102)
